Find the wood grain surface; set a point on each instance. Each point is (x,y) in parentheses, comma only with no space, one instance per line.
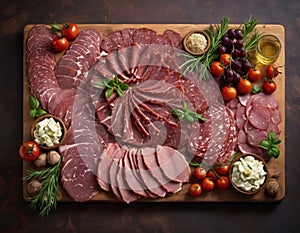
(230,195)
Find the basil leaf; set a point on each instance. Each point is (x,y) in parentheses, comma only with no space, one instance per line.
(32,113)
(184,106)
(273,152)
(200,117)
(108,93)
(124,86)
(265,144)
(276,141)
(40,112)
(255,89)
(189,118)
(119,92)
(34,103)
(271,136)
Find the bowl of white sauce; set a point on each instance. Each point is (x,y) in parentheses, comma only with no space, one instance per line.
(48,131)
(248,173)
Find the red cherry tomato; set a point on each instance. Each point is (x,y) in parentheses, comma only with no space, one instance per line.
(60,44)
(272,71)
(195,189)
(223,170)
(212,175)
(244,86)
(225,59)
(222,182)
(228,93)
(269,87)
(216,69)
(29,151)
(208,184)
(200,173)
(254,74)
(70,31)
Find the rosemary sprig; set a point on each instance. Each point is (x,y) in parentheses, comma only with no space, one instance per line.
(250,34)
(46,198)
(202,63)
(186,113)
(111,86)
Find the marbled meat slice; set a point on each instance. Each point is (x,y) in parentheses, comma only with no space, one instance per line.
(259,117)
(78,180)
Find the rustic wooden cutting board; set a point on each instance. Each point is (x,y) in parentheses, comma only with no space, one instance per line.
(230,195)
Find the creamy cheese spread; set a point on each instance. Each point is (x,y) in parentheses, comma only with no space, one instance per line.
(248,173)
(196,42)
(47,132)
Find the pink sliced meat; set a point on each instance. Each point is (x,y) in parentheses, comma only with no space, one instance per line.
(255,136)
(259,117)
(162,184)
(173,164)
(151,183)
(126,193)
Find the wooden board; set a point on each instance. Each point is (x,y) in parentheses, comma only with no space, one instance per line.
(230,195)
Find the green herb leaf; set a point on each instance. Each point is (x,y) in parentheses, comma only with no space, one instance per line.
(109,92)
(124,86)
(270,145)
(273,152)
(255,89)
(40,112)
(265,144)
(34,103)
(189,118)
(111,86)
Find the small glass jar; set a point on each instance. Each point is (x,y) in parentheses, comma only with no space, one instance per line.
(268,49)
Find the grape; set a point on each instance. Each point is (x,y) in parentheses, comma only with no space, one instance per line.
(235,53)
(236,65)
(231,33)
(243,53)
(236,78)
(246,65)
(238,34)
(226,41)
(221,49)
(238,44)
(228,73)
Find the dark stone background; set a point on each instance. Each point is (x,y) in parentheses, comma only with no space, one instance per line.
(15,213)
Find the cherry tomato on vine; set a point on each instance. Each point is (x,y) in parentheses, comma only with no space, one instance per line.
(200,173)
(244,86)
(269,87)
(254,74)
(272,71)
(29,151)
(208,184)
(216,69)
(223,170)
(195,189)
(228,93)
(70,31)
(60,44)
(225,59)
(222,182)
(212,175)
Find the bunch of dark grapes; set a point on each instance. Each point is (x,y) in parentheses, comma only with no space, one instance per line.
(232,43)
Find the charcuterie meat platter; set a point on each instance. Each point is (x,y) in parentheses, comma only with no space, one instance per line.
(107,193)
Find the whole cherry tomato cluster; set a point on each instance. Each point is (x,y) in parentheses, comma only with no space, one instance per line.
(65,33)
(207,180)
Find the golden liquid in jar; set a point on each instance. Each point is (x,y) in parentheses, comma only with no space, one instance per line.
(267,51)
